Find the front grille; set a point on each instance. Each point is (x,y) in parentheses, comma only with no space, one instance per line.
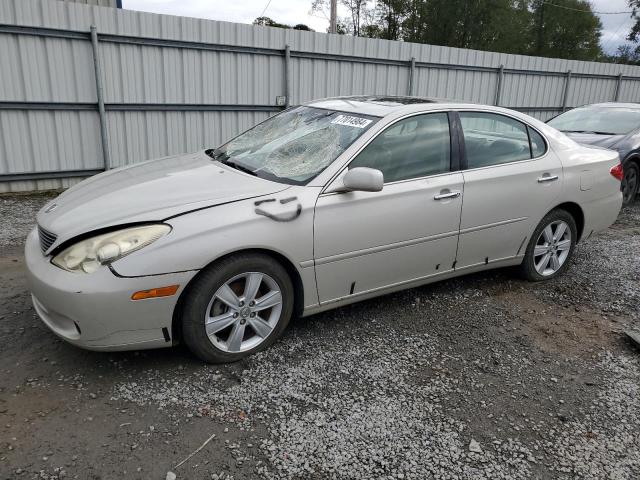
(46,238)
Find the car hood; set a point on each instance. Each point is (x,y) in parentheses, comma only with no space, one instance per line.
(149,191)
(605,141)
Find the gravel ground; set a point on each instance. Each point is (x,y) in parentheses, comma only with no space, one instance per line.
(484,376)
(18,217)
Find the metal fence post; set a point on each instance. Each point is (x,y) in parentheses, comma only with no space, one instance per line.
(616,96)
(499,85)
(565,94)
(412,73)
(106,157)
(287,81)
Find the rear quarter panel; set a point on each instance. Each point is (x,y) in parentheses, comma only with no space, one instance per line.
(589,183)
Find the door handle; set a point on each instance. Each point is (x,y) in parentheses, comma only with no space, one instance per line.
(444,196)
(547,178)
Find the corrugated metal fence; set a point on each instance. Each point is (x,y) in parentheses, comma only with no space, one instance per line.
(168,84)
(102,3)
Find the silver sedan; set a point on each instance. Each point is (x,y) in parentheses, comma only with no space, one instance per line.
(325,204)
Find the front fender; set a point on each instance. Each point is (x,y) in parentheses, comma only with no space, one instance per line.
(199,238)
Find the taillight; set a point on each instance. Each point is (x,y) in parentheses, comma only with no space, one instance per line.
(617,172)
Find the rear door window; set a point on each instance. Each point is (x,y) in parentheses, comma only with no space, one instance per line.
(493,139)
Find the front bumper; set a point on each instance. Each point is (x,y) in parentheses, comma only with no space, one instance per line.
(95,311)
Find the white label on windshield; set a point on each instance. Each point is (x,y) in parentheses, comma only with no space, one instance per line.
(350,121)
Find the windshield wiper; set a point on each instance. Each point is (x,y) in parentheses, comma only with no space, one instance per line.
(589,131)
(240,167)
(222,157)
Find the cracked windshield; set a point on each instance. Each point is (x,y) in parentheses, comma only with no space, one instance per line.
(295,146)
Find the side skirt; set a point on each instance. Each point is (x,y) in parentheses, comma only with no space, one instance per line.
(417,282)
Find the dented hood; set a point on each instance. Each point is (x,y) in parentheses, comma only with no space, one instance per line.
(149,191)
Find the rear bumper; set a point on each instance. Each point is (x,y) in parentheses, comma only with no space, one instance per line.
(600,214)
(95,311)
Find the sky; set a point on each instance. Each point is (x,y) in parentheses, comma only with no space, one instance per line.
(615,27)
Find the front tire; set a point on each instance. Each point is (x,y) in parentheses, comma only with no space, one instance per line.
(236,307)
(551,247)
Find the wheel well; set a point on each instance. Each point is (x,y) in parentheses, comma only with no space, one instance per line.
(298,288)
(576,212)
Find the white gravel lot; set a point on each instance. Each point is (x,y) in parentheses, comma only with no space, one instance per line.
(480,377)
(18,217)
(342,411)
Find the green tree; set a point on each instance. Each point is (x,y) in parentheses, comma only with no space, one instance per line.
(390,15)
(498,25)
(512,28)
(634,34)
(566,29)
(626,54)
(268,22)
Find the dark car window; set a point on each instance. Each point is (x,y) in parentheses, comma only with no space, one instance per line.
(492,139)
(603,120)
(538,147)
(411,148)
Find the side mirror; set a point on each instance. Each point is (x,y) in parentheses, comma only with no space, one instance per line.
(361,179)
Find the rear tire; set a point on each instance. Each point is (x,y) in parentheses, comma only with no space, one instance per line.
(551,247)
(630,183)
(236,307)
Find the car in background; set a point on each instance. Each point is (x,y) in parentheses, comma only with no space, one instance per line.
(322,205)
(610,125)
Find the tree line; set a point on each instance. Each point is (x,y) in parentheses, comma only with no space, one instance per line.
(561,29)
(568,29)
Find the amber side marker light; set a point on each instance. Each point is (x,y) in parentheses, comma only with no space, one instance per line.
(155,292)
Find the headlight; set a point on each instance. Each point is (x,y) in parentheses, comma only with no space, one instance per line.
(87,256)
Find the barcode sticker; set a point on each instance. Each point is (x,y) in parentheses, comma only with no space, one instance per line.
(349,121)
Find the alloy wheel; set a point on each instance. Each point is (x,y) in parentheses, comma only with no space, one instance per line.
(243,312)
(552,248)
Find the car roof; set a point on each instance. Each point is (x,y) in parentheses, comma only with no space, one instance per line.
(394,107)
(376,105)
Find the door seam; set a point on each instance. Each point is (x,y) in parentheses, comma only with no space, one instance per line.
(455,259)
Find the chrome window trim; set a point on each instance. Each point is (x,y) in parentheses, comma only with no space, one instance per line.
(497,165)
